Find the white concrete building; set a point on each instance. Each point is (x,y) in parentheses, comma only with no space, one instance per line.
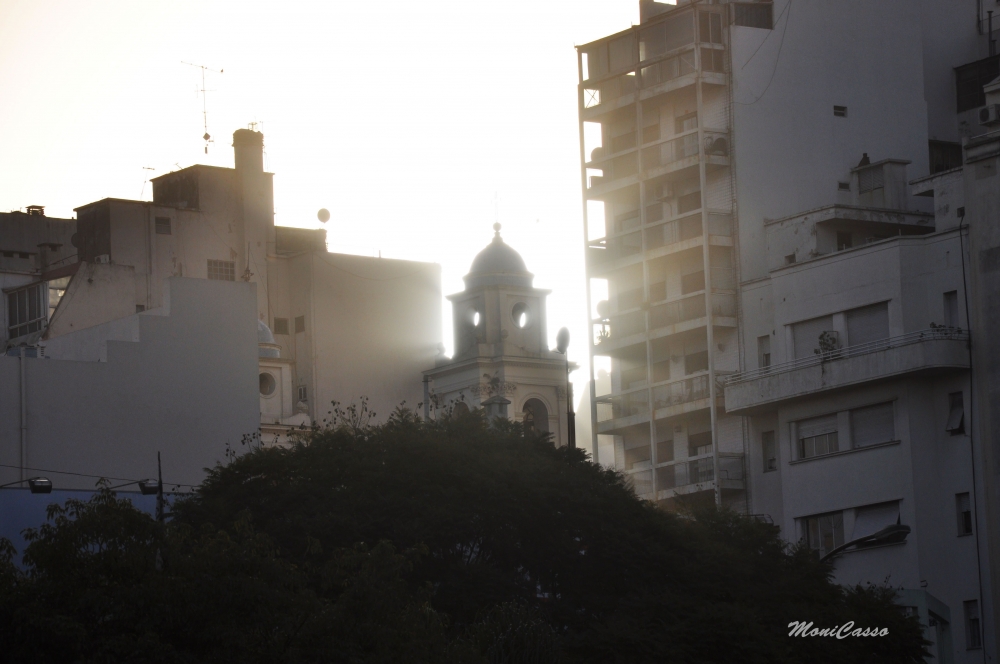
(179,379)
(502,361)
(784,327)
(336,327)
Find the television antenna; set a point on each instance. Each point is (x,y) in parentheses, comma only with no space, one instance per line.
(145,168)
(204,101)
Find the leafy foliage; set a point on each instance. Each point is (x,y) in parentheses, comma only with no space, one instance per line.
(452,540)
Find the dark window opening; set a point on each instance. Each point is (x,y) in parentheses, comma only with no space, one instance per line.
(973,636)
(689,202)
(844,186)
(769,448)
(944,155)
(281,326)
(970,79)
(843,240)
(764,351)
(699,443)
(163,225)
(300,324)
(956,414)
(963,512)
(754,14)
(840,111)
(696,362)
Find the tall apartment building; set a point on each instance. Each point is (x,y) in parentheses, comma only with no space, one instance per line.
(776,280)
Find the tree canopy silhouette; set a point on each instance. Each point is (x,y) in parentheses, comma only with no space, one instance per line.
(451,540)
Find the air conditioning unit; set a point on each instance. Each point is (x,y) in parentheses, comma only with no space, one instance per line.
(989,115)
(103,259)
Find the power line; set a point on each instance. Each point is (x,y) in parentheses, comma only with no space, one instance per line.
(777,58)
(100,477)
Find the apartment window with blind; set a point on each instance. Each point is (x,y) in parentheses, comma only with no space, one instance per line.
(817,436)
(963,513)
(221,270)
(163,225)
(825,532)
(709,28)
(281,326)
(867,324)
(805,335)
(872,425)
(951,308)
(300,324)
(870,519)
(769,448)
(26,311)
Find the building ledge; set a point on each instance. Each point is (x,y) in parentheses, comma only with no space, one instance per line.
(888,443)
(927,351)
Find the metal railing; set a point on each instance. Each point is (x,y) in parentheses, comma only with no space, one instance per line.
(698,471)
(677,311)
(935,333)
(623,405)
(681,391)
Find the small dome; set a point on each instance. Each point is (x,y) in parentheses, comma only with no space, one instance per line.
(264,335)
(498,264)
(265,341)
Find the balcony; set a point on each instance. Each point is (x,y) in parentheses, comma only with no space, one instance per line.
(699,475)
(681,396)
(621,411)
(926,352)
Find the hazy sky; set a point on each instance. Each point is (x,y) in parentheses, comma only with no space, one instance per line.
(405,119)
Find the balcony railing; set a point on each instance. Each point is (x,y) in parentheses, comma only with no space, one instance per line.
(623,405)
(671,313)
(699,471)
(673,231)
(936,333)
(670,151)
(681,391)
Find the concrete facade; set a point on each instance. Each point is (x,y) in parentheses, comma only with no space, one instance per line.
(784,329)
(345,327)
(180,379)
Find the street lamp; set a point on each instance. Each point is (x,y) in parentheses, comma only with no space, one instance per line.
(562,344)
(35,484)
(891,534)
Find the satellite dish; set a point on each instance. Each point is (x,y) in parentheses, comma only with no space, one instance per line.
(323,215)
(603,308)
(562,340)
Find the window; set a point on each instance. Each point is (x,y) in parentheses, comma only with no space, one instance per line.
(970,79)
(944,155)
(805,335)
(825,532)
(871,179)
(712,59)
(872,425)
(956,414)
(695,362)
(25,310)
(163,225)
(303,393)
(867,324)
(689,202)
(963,513)
(840,111)
(844,186)
(139,308)
(693,282)
(973,639)
(685,123)
(951,309)
(764,351)
(843,239)
(267,384)
(699,443)
(665,450)
(221,270)
(300,324)
(281,326)
(817,436)
(709,28)
(789,259)
(769,448)
(754,14)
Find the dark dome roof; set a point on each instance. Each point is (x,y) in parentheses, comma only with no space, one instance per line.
(498,264)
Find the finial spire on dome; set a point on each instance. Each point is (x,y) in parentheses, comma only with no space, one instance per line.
(496,227)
